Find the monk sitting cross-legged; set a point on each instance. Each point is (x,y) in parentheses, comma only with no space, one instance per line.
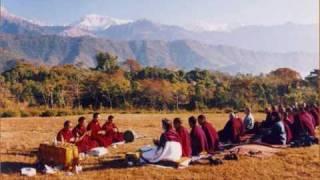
(97,132)
(185,137)
(65,134)
(277,134)
(168,135)
(112,131)
(83,139)
(232,130)
(199,142)
(211,134)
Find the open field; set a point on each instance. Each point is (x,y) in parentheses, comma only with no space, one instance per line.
(21,136)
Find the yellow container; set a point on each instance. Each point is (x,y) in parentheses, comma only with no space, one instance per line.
(63,154)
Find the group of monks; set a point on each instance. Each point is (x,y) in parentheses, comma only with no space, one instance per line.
(281,126)
(202,137)
(92,135)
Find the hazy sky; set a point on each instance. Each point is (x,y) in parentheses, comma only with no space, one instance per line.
(179,12)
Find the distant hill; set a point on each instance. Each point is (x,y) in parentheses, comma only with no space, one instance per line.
(183,54)
(284,38)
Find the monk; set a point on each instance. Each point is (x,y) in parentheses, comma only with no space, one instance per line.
(112,131)
(97,132)
(232,130)
(199,142)
(314,111)
(83,140)
(168,135)
(211,134)
(248,120)
(288,121)
(65,134)
(277,134)
(305,123)
(184,136)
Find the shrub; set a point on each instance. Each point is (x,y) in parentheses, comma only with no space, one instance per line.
(10,113)
(25,113)
(64,113)
(35,112)
(48,113)
(228,110)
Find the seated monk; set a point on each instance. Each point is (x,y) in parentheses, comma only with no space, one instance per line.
(112,131)
(211,134)
(199,142)
(314,111)
(248,121)
(277,133)
(168,135)
(65,134)
(232,130)
(167,148)
(83,139)
(288,120)
(97,132)
(185,137)
(304,123)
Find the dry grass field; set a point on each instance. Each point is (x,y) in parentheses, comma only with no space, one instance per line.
(21,136)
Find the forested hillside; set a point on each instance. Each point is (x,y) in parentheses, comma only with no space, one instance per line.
(128,86)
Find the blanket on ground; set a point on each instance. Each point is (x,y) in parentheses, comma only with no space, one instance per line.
(256,150)
(171,152)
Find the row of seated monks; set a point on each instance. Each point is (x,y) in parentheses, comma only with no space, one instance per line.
(92,135)
(281,126)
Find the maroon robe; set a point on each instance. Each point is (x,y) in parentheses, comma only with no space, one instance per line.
(305,124)
(66,134)
(94,127)
(232,131)
(111,133)
(287,126)
(316,116)
(86,143)
(211,135)
(169,135)
(185,141)
(198,141)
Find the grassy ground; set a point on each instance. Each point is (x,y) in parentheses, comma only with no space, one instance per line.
(21,136)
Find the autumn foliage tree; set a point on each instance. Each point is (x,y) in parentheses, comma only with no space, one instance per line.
(135,87)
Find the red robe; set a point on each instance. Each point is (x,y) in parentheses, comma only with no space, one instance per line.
(232,131)
(305,124)
(111,133)
(212,136)
(316,116)
(66,134)
(94,127)
(86,143)
(169,135)
(185,141)
(287,126)
(198,141)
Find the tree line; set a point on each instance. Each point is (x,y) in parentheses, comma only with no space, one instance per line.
(128,85)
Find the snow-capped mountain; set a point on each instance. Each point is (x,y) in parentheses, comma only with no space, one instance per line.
(284,38)
(5,14)
(90,24)
(94,22)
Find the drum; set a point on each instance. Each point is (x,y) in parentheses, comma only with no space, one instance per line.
(129,136)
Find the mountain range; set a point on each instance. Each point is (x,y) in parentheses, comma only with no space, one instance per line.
(246,49)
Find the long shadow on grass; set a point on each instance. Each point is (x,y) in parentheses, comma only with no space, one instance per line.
(13,167)
(110,164)
(122,164)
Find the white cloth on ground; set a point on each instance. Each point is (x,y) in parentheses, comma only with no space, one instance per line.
(172,151)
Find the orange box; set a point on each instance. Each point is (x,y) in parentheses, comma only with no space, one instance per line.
(63,154)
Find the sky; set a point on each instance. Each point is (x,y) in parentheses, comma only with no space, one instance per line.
(174,12)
